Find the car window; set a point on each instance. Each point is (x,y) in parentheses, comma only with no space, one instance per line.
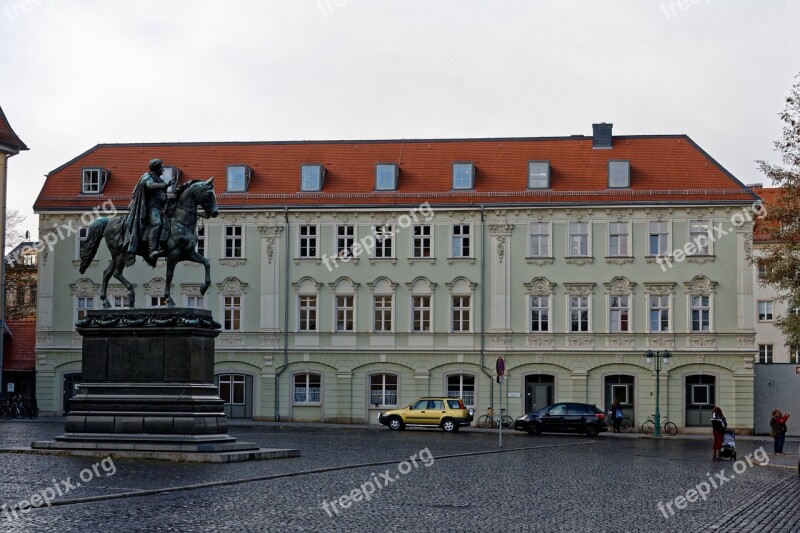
(453,404)
(558,410)
(435,404)
(422,404)
(577,409)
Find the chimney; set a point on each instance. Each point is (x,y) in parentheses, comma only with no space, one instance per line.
(602,136)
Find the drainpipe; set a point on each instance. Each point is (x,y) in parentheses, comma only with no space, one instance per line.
(483,308)
(285,320)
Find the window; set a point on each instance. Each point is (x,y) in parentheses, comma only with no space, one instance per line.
(345,238)
(238,178)
(765,354)
(385,177)
(383,241)
(701,395)
(540,314)
(764,310)
(794,355)
(83,304)
(619,314)
(461,240)
(311,177)
(307,388)
(540,239)
(698,235)
(578,239)
(231,388)
(463,176)
(421,314)
(382,307)
(539,175)
(618,239)
(29,259)
(383,390)
(83,234)
(461,386)
(619,174)
(120,301)
(461,322)
(659,233)
(195,302)
(308,241)
(308,313)
(659,313)
(700,399)
(201,240)
(93,180)
(761,271)
(579,313)
(421,244)
(158,301)
(701,313)
(232,312)
(233,242)
(345,307)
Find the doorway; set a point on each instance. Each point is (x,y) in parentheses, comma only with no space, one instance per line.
(538,391)
(71,383)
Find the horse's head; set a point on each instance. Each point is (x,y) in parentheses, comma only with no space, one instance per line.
(208,199)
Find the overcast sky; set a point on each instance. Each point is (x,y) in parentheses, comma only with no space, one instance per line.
(77,73)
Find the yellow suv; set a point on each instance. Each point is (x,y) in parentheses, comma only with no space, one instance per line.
(447,413)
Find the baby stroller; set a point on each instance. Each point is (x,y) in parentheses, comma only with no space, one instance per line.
(728,450)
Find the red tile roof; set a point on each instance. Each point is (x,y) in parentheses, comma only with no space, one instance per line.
(7,135)
(667,168)
(18,350)
(770,196)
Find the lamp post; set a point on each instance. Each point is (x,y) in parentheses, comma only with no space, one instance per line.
(656,358)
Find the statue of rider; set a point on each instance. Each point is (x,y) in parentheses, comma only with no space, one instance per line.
(146,214)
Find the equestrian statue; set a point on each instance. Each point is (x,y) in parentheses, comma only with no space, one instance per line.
(157,225)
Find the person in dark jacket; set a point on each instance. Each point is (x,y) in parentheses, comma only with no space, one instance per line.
(778,430)
(616,416)
(718,425)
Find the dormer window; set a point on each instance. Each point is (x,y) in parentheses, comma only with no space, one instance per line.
(539,175)
(463,176)
(94,179)
(311,177)
(171,174)
(386,177)
(238,178)
(619,174)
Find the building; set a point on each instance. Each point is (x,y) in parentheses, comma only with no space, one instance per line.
(19,363)
(352,276)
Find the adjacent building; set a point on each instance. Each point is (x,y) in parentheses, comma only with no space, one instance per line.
(354,276)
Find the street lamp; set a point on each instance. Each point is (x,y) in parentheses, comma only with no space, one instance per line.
(656,358)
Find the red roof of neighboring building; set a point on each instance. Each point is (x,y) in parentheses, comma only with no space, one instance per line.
(770,196)
(7,135)
(664,169)
(19,348)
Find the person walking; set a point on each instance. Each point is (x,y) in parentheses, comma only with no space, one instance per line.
(778,430)
(718,425)
(616,416)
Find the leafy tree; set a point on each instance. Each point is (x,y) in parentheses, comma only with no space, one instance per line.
(780,256)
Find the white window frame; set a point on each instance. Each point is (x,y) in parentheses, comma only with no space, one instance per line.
(459,164)
(766,354)
(415,238)
(548,300)
(245,178)
(101,175)
(701,308)
(461,388)
(546,174)
(187,301)
(457,313)
(383,390)
(351,310)
(425,310)
(623,305)
(311,311)
(307,388)
(588,234)
(394,171)
(387,230)
(390,309)
(78,308)
(225,307)
(346,251)
(302,252)
(460,238)
(667,238)
(156,302)
(660,308)
(80,236)
(225,238)
(769,311)
(626,242)
(548,238)
(200,247)
(120,301)
(320,177)
(588,308)
(696,235)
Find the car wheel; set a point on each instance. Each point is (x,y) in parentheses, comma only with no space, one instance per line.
(449,425)
(534,429)
(396,424)
(591,430)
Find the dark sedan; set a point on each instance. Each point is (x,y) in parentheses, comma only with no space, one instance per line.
(563,418)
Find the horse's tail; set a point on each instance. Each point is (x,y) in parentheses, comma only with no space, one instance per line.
(93,239)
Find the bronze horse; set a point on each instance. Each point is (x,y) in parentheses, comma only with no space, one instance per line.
(181,218)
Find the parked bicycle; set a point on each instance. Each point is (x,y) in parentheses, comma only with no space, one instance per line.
(17,407)
(625,425)
(649,426)
(490,420)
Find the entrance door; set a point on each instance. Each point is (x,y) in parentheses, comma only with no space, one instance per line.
(538,392)
(71,382)
(620,388)
(236,390)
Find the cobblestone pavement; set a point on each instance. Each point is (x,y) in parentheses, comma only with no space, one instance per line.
(563,483)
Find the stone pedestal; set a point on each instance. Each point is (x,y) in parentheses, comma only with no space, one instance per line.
(148,386)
